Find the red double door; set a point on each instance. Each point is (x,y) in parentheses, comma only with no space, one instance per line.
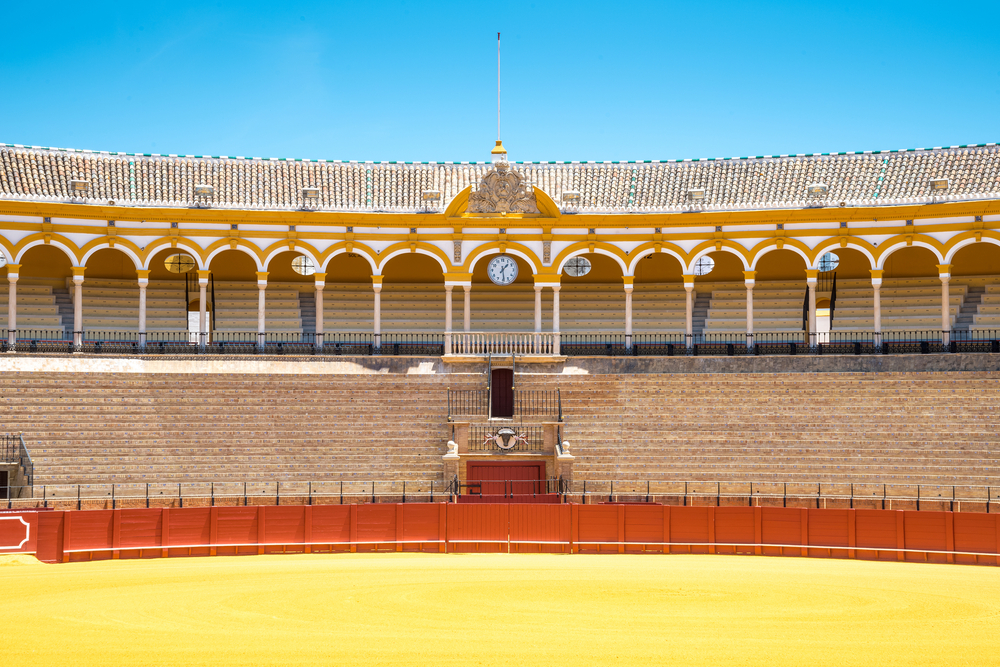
(507,478)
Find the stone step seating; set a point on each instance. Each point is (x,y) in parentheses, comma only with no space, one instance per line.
(99,427)
(236,309)
(36,310)
(777,308)
(113,305)
(909,427)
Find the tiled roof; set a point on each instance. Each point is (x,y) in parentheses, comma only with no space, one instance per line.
(870,178)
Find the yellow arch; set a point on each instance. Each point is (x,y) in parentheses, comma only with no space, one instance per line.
(57,240)
(964,239)
(649,248)
(419,247)
(718,245)
(493,248)
(178,242)
(8,249)
(600,247)
(278,247)
(900,241)
(235,244)
(106,242)
(344,247)
(862,246)
(770,245)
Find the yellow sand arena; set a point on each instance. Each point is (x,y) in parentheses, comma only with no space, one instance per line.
(389,609)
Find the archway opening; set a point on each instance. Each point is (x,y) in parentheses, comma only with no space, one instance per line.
(233,297)
(592,296)
(659,301)
(173,292)
(412,297)
(844,294)
(348,298)
(111,296)
(911,292)
(45,304)
(509,307)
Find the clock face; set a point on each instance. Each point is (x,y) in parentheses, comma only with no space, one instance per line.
(502,270)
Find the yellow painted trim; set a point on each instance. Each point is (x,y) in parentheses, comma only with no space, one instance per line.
(899,241)
(498,247)
(413,246)
(721,245)
(586,247)
(67,246)
(143,274)
(349,247)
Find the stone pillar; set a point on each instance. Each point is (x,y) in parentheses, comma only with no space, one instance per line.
(628,281)
(78,306)
(467,308)
(203,308)
(320,279)
(261,309)
(556,335)
(812,278)
(944,273)
(689,311)
(749,279)
(13,272)
(877,314)
(447,317)
(377,316)
(143,283)
(538,320)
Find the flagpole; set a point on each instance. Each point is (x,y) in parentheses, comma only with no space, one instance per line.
(498,86)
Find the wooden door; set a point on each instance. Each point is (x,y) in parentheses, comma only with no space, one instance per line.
(502,392)
(508,478)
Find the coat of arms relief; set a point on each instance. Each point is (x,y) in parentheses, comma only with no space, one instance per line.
(502,190)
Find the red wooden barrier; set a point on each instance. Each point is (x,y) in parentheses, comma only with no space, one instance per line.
(447,527)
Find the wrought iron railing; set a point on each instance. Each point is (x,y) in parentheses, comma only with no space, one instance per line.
(40,341)
(487,438)
(527,403)
(468,403)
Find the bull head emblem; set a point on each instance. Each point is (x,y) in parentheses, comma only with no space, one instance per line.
(506,439)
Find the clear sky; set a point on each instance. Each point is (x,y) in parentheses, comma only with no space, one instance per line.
(396,80)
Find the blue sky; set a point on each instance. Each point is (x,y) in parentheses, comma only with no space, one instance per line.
(581,81)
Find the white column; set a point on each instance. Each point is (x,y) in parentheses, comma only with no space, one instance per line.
(944,273)
(877,304)
(447,317)
(261,309)
(78,306)
(467,312)
(749,279)
(538,319)
(555,320)
(628,313)
(12,276)
(203,307)
(143,283)
(811,281)
(377,287)
(689,310)
(320,284)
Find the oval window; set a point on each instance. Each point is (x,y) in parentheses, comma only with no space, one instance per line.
(577,266)
(179,263)
(704,265)
(828,262)
(303,266)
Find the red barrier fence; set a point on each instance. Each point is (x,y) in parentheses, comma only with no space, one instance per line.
(62,536)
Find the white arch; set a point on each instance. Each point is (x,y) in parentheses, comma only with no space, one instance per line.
(860,248)
(406,251)
(342,251)
(508,250)
(301,251)
(242,248)
(597,251)
(965,242)
(689,269)
(104,246)
(787,246)
(902,244)
(53,242)
(650,251)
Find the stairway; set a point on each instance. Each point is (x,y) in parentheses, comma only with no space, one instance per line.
(307,311)
(699,313)
(65,304)
(970,307)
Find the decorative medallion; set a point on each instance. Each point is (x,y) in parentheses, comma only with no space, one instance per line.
(505,439)
(503,190)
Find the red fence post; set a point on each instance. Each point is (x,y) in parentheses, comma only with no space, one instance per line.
(354,528)
(711,529)
(852,532)
(949,535)
(213,531)
(804,521)
(165,532)
(900,536)
(574,528)
(399,523)
(666,529)
(260,529)
(67,545)
(116,532)
(308,523)
(621,529)
(443,529)
(757,530)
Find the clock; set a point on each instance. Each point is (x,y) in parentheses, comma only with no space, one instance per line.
(502,270)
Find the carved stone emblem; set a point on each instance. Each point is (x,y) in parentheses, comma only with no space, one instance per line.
(503,190)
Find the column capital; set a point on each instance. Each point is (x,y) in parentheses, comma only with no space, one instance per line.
(203,276)
(377,281)
(628,281)
(457,278)
(143,276)
(812,276)
(13,270)
(546,279)
(320,279)
(749,278)
(876,277)
(448,288)
(78,273)
(944,271)
(688,281)
(262,277)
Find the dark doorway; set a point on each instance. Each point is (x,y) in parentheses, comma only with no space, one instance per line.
(4,490)
(507,479)
(502,393)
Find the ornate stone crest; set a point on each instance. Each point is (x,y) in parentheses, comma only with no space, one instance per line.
(503,190)
(505,439)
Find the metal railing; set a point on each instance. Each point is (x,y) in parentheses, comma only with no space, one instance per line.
(40,341)
(527,403)
(483,438)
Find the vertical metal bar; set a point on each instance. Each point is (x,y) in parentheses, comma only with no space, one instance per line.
(113,500)
(147,495)
(244,494)
(852,495)
(277,493)
(404,491)
(180,496)
(341,492)
(78,506)
(310,493)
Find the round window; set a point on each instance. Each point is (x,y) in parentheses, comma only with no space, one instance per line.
(179,263)
(828,262)
(3,260)
(704,265)
(577,266)
(303,266)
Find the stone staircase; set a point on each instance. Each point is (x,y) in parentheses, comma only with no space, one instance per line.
(64,301)
(307,308)
(970,307)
